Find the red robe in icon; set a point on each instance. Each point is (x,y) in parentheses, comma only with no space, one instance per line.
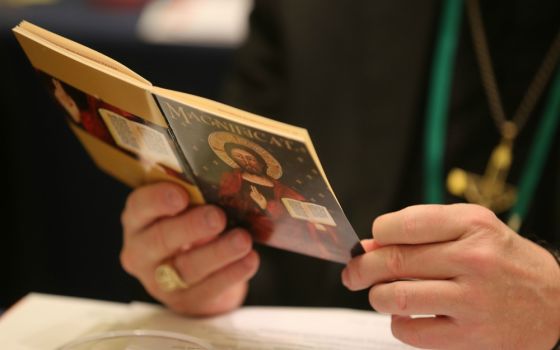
(273,225)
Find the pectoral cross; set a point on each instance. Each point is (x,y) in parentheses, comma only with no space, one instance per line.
(491,189)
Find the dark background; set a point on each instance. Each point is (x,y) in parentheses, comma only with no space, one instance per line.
(60,229)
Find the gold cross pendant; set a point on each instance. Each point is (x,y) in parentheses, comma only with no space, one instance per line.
(491,189)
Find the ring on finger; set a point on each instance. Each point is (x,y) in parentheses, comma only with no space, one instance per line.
(168,278)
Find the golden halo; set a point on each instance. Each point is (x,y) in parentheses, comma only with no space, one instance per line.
(218,139)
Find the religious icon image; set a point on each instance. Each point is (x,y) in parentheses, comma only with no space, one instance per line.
(267,183)
(80,109)
(254,193)
(149,144)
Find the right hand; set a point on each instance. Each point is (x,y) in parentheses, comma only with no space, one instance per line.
(258,197)
(160,227)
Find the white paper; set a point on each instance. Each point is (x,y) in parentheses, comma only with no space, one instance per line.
(46,322)
(41,321)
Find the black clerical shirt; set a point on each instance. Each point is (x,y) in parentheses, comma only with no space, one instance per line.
(355,74)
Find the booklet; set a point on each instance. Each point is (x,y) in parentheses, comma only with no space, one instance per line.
(265,174)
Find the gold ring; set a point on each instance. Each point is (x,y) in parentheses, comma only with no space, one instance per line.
(168,279)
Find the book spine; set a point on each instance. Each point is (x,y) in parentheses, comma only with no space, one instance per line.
(189,174)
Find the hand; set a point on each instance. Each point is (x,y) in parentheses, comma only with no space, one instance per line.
(258,197)
(159,226)
(489,287)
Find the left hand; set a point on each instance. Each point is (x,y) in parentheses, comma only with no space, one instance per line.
(489,287)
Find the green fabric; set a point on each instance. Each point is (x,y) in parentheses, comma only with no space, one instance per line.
(438,99)
(539,151)
(436,120)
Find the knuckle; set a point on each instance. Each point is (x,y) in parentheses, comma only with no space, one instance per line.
(409,222)
(132,210)
(395,261)
(401,297)
(159,239)
(126,215)
(482,258)
(252,262)
(220,250)
(373,299)
(186,269)
(376,299)
(238,241)
(233,274)
(481,218)
(195,222)
(180,304)
(245,267)
(403,332)
(466,295)
(355,274)
(130,205)
(438,215)
(127,261)
(488,244)
(240,272)
(124,218)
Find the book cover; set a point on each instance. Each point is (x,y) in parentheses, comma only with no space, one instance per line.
(130,148)
(265,182)
(265,174)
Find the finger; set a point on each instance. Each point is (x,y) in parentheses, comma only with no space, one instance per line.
(216,284)
(168,236)
(429,223)
(149,203)
(439,332)
(230,299)
(395,262)
(370,244)
(417,298)
(198,263)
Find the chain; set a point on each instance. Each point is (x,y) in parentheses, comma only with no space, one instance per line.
(508,128)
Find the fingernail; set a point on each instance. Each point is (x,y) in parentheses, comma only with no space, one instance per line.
(239,240)
(212,218)
(175,199)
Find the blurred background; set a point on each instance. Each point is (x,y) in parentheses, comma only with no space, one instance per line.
(60,228)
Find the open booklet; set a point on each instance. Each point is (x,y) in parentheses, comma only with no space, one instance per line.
(47,322)
(265,174)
